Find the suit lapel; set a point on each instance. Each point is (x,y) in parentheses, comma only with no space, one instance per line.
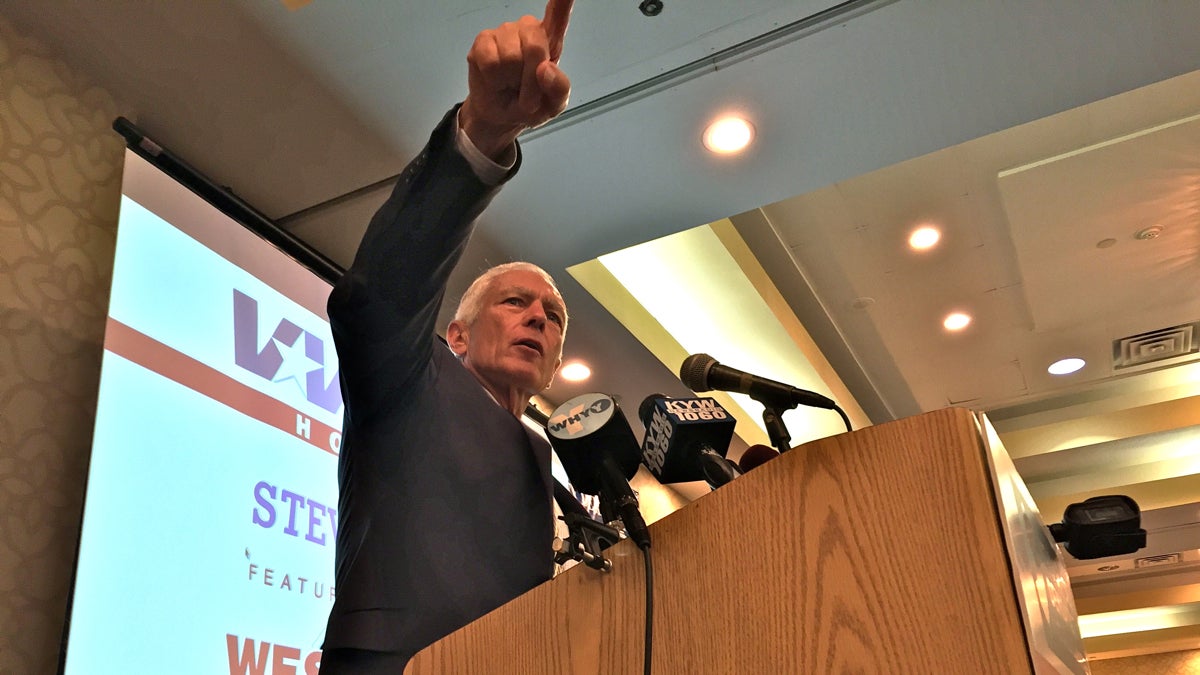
(540,449)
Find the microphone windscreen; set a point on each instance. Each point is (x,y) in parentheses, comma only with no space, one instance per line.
(583,430)
(693,372)
(755,456)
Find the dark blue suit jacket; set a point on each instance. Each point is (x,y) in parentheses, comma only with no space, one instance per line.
(445,496)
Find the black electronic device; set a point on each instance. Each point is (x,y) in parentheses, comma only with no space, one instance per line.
(651,7)
(1100,527)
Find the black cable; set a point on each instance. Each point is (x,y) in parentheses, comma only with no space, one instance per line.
(845,419)
(649,638)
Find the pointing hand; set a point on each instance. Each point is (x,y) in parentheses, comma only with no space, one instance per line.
(513,78)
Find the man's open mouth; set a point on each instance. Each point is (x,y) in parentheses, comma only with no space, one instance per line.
(532,344)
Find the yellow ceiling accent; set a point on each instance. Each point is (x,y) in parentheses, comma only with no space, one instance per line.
(1106,425)
(701,290)
(1139,620)
(1151,597)
(1156,494)
(1145,642)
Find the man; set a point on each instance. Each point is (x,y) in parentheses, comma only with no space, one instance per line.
(445,504)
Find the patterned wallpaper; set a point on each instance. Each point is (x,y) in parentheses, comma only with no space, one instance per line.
(60,176)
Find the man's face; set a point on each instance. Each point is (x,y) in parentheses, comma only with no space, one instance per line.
(515,344)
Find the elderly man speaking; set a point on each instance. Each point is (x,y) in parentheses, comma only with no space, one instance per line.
(445,506)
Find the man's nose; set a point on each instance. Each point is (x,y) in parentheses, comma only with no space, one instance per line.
(535,314)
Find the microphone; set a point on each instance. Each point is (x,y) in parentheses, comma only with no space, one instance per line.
(755,456)
(600,454)
(701,372)
(686,440)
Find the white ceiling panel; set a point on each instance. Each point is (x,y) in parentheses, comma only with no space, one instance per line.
(1061,209)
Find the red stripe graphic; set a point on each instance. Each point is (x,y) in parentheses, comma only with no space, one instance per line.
(153,355)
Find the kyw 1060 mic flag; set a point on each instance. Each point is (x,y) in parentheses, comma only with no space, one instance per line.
(686,439)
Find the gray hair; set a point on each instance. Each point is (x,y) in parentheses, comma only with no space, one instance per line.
(472,301)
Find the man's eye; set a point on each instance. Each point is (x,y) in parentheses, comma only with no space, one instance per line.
(513,301)
(553,316)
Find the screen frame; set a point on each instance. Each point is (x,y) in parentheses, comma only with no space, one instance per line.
(241,212)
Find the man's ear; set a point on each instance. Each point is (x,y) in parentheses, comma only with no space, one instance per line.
(457,337)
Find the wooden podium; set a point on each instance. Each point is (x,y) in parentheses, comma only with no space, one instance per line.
(886,550)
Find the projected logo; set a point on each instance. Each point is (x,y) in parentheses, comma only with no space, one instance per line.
(290,354)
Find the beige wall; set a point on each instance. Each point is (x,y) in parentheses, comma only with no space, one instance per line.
(59,189)
(1170,663)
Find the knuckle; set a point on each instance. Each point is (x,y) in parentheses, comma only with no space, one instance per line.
(490,67)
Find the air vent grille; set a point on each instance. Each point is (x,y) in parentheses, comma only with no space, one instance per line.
(1156,345)
(1157,560)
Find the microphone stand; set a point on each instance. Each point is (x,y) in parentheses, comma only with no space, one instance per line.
(776,430)
(586,541)
(717,470)
(614,486)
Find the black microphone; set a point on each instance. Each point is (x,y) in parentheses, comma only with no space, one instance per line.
(686,440)
(701,372)
(755,456)
(600,454)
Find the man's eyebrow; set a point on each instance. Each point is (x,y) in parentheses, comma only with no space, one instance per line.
(526,292)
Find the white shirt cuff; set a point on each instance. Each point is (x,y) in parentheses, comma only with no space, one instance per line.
(489,172)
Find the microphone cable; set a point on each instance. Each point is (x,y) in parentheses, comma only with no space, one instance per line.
(845,419)
(587,453)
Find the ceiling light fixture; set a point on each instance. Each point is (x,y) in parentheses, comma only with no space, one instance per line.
(728,135)
(956,321)
(1066,366)
(1148,233)
(575,372)
(924,238)
(651,7)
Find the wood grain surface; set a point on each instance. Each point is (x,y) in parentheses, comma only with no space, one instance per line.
(877,551)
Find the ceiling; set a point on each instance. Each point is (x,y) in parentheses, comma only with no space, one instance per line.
(1029,132)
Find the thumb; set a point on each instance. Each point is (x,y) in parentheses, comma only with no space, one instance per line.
(555,85)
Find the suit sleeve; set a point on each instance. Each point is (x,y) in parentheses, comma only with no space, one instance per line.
(383,310)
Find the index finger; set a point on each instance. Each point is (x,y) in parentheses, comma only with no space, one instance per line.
(558,13)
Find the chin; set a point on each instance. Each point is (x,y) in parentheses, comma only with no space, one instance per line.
(527,380)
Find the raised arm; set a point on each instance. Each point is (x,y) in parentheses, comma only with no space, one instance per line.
(383,311)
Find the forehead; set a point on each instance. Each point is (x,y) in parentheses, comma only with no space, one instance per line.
(525,282)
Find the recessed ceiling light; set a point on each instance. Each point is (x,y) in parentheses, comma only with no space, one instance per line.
(575,372)
(957,321)
(862,303)
(924,238)
(728,135)
(1148,233)
(1066,366)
